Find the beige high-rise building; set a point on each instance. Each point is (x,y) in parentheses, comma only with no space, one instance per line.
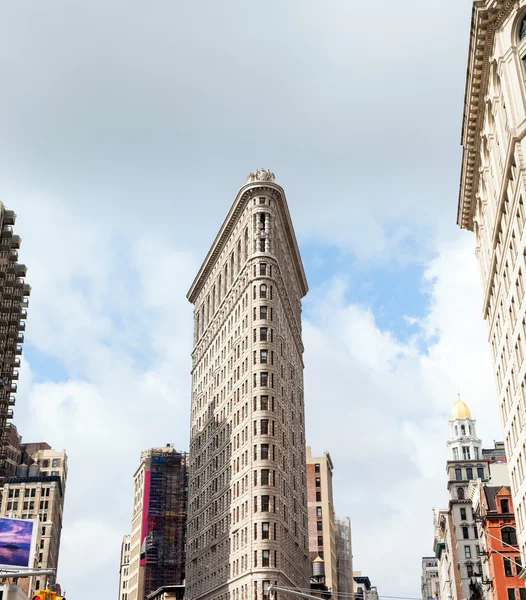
(247,523)
(492,205)
(37,492)
(124,571)
(321,517)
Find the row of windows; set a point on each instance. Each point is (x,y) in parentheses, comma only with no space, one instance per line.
(512,593)
(44,505)
(466,453)
(28,492)
(508,569)
(469,473)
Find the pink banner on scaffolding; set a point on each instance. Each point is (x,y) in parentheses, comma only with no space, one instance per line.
(144,525)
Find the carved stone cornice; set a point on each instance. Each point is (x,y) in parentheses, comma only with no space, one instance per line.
(487,16)
(245,194)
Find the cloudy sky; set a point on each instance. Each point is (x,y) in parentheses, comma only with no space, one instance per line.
(126,130)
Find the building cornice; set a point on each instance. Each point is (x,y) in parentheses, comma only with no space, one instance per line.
(487,16)
(245,194)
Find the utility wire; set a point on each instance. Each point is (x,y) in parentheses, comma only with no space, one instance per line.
(351,594)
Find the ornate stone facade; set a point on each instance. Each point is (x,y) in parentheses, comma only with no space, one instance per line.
(247,524)
(491,203)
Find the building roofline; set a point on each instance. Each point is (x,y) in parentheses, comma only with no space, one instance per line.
(245,193)
(486,17)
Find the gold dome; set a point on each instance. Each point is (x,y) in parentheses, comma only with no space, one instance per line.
(460,410)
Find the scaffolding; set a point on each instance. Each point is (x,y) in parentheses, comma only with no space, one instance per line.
(166,522)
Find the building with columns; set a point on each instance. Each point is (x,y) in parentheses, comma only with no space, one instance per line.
(430,582)
(492,205)
(247,521)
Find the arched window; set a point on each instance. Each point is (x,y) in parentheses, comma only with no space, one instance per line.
(456,429)
(463,429)
(522,29)
(509,536)
(262,291)
(460,493)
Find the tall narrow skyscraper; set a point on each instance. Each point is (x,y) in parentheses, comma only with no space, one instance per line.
(14,294)
(247,523)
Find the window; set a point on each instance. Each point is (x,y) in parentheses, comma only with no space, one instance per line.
(460,493)
(469,473)
(455,453)
(265,558)
(480,472)
(318,496)
(265,476)
(507,567)
(320,540)
(265,531)
(522,593)
(266,594)
(263,356)
(318,511)
(264,402)
(318,482)
(467,551)
(263,378)
(317,468)
(458,474)
(465,533)
(505,506)
(264,426)
(509,536)
(319,526)
(265,503)
(511,593)
(262,245)
(264,451)
(466,453)
(262,291)
(262,312)
(518,565)
(263,334)
(522,29)
(475,532)
(469,569)
(463,514)
(54,462)
(41,543)
(262,268)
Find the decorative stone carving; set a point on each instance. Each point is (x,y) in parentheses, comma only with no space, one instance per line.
(261,175)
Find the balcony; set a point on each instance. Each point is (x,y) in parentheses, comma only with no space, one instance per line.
(13,256)
(9,217)
(15,242)
(16,361)
(15,375)
(11,401)
(18,350)
(26,290)
(21,326)
(19,282)
(13,388)
(9,414)
(20,338)
(23,314)
(21,270)
(6,233)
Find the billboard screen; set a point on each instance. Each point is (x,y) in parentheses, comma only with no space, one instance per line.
(17,542)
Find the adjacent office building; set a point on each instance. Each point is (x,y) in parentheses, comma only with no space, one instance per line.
(492,204)
(155,554)
(14,294)
(247,524)
(344,560)
(501,562)
(430,583)
(321,517)
(37,492)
